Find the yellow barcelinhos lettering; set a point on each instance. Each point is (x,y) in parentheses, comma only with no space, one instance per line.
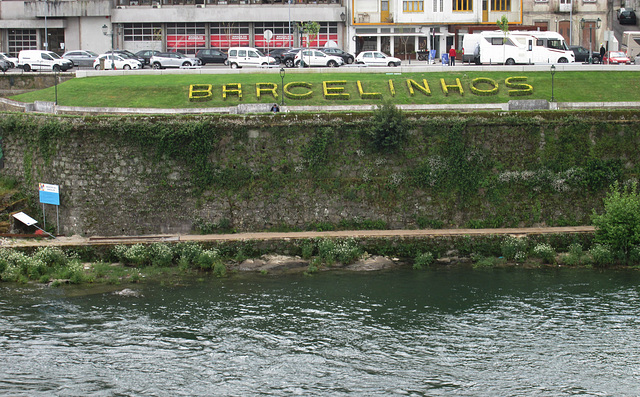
(200,92)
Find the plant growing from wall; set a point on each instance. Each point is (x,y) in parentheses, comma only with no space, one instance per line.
(388,129)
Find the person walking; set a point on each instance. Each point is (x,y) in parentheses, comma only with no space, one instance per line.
(452,56)
(602,52)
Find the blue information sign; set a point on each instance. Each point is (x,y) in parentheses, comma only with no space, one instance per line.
(49,194)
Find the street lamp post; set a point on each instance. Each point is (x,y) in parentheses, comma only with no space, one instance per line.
(282,72)
(56,74)
(105,31)
(553,71)
(582,25)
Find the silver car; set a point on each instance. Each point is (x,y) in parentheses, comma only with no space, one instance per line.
(81,58)
(172,60)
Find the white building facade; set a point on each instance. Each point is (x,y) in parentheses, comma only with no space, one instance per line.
(402,27)
(166,25)
(580,22)
(396,27)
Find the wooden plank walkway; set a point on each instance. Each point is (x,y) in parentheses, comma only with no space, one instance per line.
(111,240)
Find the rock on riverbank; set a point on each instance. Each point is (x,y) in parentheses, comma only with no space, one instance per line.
(294,264)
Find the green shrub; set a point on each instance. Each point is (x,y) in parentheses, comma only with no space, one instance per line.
(511,246)
(51,256)
(423,260)
(520,256)
(208,258)
(188,254)
(344,251)
(219,269)
(619,226)
(137,255)
(388,129)
(634,255)
(601,255)
(574,256)
(486,262)
(119,253)
(545,252)
(161,255)
(307,249)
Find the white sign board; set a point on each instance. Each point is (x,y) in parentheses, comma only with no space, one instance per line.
(24,218)
(268,35)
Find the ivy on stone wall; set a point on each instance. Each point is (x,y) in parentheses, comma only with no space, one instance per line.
(476,170)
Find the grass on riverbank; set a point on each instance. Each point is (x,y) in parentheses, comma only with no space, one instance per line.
(172,91)
(160,261)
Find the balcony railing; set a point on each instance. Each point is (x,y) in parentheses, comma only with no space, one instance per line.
(216,2)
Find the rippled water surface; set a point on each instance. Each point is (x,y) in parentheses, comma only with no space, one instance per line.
(439,332)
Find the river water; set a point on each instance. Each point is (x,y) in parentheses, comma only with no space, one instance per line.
(440,332)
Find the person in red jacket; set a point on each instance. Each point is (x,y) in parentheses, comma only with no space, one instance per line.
(452,56)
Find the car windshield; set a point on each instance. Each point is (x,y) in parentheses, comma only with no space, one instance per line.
(54,55)
(91,53)
(617,54)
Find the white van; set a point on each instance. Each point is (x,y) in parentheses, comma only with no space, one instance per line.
(42,60)
(517,47)
(246,56)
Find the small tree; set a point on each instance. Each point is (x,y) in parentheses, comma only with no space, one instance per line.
(619,226)
(388,127)
(503,24)
(311,30)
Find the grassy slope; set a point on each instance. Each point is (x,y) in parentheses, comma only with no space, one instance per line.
(171,91)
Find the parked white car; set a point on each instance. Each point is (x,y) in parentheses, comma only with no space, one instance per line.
(115,61)
(172,60)
(239,57)
(317,58)
(12,60)
(377,58)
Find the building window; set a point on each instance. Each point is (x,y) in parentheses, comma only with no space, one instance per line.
(500,5)
(462,5)
(281,36)
(22,39)
(142,32)
(413,6)
(186,38)
(328,31)
(229,34)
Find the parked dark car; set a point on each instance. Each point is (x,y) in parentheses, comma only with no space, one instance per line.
(288,58)
(146,55)
(129,54)
(4,65)
(627,17)
(81,57)
(582,54)
(277,54)
(348,58)
(211,55)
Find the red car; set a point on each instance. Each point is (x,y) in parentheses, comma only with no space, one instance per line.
(615,58)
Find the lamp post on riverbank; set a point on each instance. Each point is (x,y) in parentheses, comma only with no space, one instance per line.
(105,31)
(553,71)
(282,73)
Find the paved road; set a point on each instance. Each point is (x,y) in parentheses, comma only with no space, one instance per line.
(110,240)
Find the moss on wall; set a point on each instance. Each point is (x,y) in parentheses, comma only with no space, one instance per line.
(151,174)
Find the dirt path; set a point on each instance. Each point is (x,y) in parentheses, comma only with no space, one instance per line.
(98,240)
